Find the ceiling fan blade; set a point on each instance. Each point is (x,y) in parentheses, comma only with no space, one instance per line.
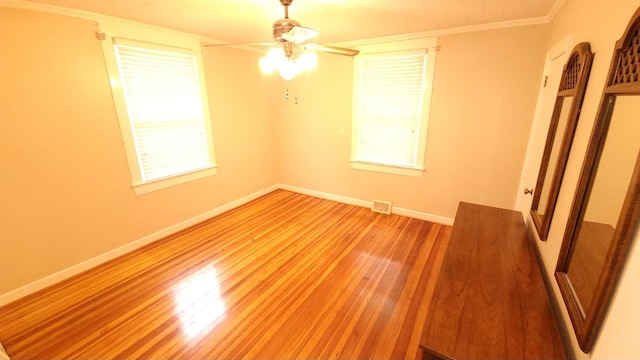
(241,44)
(331,49)
(299,34)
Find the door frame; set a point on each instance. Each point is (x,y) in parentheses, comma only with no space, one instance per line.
(540,125)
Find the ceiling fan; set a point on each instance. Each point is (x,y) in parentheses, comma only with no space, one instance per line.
(289,37)
(289,32)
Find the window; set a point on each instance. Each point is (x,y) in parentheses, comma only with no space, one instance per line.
(392,94)
(161,104)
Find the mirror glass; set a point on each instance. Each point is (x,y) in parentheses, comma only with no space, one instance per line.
(605,214)
(555,152)
(604,205)
(562,126)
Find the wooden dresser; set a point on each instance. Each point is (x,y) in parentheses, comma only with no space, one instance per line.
(490,301)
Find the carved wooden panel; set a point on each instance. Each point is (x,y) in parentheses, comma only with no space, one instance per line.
(571,75)
(628,69)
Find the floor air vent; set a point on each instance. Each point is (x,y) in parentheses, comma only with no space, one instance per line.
(383,207)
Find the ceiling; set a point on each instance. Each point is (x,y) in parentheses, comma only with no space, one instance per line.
(242,21)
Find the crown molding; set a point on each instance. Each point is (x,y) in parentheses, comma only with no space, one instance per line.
(59,10)
(449,31)
(557,5)
(29,5)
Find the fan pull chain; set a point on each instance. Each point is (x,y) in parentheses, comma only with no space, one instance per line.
(286,96)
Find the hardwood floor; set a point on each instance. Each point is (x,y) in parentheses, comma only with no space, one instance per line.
(285,276)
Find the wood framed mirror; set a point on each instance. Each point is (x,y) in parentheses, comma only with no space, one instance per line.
(606,208)
(564,119)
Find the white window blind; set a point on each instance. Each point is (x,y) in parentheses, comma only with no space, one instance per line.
(164,105)
(391,93)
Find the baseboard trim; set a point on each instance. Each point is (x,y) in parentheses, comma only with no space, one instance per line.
(3,353)
(422,216)
(136,244)
(364,203)
(127,248)
(327,196)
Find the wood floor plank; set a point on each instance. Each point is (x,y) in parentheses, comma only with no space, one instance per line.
(284,276)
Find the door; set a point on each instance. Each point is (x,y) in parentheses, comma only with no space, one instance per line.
(555,60)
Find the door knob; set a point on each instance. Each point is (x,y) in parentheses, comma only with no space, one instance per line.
(528,191)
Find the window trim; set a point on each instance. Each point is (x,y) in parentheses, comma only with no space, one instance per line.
(429,45)
(112,33)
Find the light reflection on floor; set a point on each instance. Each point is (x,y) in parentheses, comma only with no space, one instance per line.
(198,303)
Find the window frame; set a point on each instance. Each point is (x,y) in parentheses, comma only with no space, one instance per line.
(112,33)
(426,46)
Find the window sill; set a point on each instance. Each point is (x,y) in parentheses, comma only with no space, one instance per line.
(153,185)
(389,169)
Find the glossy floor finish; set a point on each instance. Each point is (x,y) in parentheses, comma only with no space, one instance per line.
(285,276)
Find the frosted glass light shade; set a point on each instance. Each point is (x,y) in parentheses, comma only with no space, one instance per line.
(288,66)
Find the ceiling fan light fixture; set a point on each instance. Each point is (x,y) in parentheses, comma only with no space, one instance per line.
(288,66)
(290,36)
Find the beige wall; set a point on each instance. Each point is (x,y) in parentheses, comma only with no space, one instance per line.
(483,100)
(601,24)
(66,189)
(65,186)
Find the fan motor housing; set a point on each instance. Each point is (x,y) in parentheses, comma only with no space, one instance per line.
(283,26)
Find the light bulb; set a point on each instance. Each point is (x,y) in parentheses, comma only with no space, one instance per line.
(287,66)
(287,69)
(272,60)
(266,65)
(275,54)
(308,60)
